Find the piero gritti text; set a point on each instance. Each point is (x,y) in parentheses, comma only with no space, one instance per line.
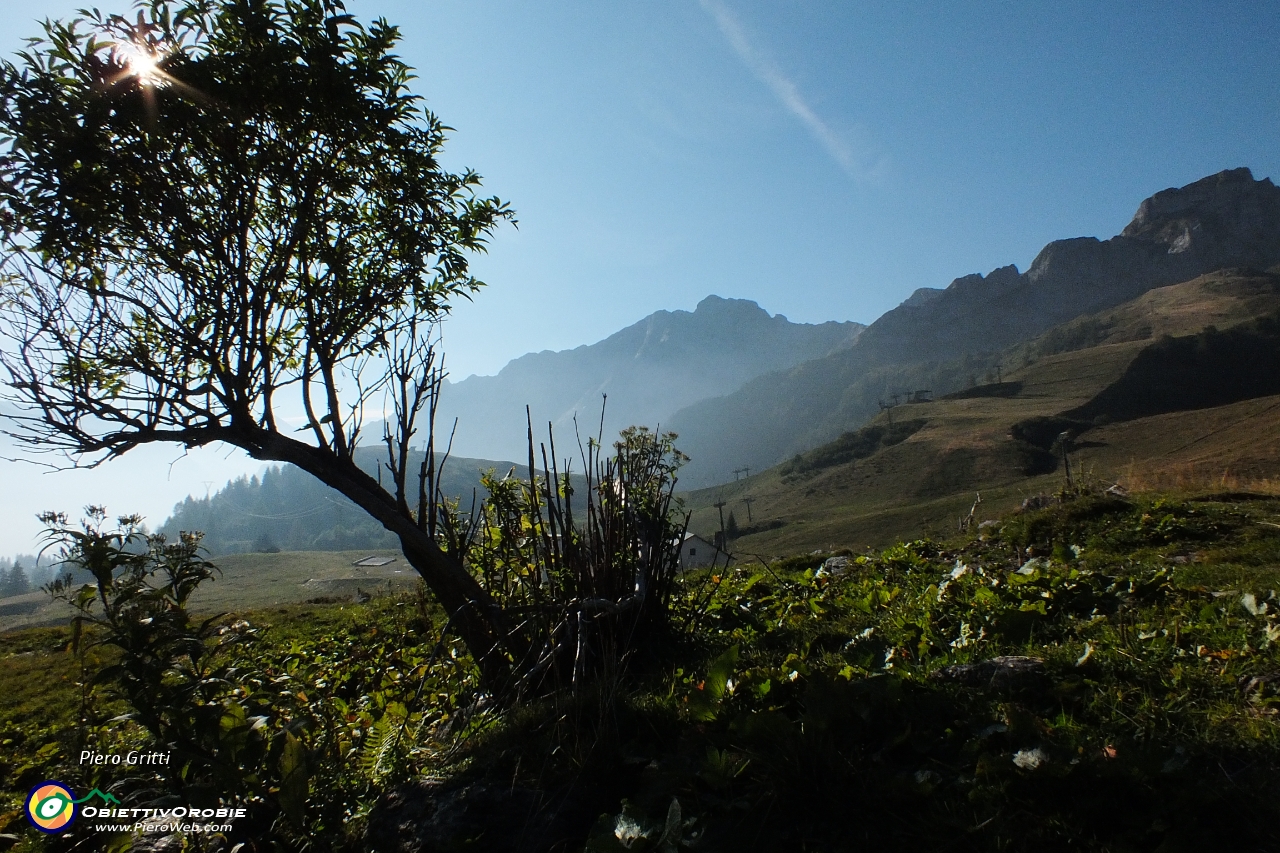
(133,757)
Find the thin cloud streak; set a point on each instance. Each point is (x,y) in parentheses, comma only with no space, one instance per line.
(786,91)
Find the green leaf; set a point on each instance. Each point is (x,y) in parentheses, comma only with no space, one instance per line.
(704,702)
(294,780)
(720,672)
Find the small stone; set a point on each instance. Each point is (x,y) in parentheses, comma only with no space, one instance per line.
(836,567)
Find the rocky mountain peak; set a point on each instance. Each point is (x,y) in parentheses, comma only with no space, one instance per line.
(649,369)
(1230,205)
(999,278)
(715,308)
(921,295)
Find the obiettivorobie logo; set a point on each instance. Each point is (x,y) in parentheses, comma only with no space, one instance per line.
(51,806)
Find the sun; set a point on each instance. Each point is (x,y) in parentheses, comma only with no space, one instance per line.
(142,64)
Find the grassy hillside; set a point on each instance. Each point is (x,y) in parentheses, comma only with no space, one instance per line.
(924,484)
(252,581)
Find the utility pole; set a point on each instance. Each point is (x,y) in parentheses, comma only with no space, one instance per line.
(748,500)
(719,505)
(736,472)
(746,469)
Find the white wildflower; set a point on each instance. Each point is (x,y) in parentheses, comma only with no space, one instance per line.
(1030,759)
(1273,633)
(627,831)
(965,639)
(853,641)
(1030,567)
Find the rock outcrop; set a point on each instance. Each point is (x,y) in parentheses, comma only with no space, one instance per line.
(1227,219)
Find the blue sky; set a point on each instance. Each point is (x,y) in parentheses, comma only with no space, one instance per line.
(824,159)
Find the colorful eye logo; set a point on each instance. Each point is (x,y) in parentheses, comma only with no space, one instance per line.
(51,806)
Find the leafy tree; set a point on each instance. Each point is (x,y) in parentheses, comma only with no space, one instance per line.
(226,218)
(731,527)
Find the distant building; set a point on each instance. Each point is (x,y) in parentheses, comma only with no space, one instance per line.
(373,562)
(696,552)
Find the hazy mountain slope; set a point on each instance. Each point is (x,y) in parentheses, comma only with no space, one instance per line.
(941,340)
(665,362)
(925,477)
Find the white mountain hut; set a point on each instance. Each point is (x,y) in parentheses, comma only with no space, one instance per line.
(696,553)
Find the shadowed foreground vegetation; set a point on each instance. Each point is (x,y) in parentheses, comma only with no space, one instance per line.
(1099,674)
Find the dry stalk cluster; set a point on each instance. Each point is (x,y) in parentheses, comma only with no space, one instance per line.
(587,584)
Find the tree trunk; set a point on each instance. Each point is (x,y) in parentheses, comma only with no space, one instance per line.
(473,613)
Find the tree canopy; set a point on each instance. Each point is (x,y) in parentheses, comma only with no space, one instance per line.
(226,221)
(211,206)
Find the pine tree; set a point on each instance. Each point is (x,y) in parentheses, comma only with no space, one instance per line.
(14,581)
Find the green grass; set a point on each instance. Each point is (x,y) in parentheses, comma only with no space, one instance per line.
(251,581)
(795,711)
(369,655)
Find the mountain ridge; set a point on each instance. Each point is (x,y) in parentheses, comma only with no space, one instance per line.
(649,370)
(941,341)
